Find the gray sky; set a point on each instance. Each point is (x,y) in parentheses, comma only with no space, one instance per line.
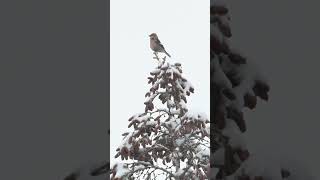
(282,37)
(182,27)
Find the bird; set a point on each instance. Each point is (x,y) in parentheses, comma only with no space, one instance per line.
(156,45)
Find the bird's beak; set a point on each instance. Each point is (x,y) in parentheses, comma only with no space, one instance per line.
(149,35)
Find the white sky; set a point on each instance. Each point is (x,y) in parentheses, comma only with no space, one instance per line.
(182,27)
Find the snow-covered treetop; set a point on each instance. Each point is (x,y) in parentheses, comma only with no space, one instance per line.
(170,87)
(167,139)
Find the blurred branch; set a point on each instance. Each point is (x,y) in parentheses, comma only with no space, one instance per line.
(103,169)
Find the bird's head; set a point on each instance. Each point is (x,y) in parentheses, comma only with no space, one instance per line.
(153,36)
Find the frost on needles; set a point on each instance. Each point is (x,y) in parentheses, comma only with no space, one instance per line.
(166,141)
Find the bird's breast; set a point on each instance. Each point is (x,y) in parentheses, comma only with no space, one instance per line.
(154,46)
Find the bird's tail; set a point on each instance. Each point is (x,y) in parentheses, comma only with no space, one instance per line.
(167,53)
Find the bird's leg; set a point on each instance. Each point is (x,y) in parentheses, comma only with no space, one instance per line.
(156,56)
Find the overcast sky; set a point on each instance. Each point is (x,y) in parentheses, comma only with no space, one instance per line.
(182,27)
(282,37)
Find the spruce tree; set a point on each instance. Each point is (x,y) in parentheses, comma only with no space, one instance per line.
(167,141)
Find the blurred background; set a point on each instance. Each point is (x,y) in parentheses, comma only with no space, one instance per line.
(282,38)
(54,87)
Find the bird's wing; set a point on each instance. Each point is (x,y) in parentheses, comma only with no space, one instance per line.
(158,42)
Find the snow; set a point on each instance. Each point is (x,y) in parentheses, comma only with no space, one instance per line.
(180,141)
(236,137)
(216,33)
(156,71)
(218,156)
(125,141)
(121,170)
(143,118)
(198,116)
(219,77)
(203,152)
(151,123)
(179,172)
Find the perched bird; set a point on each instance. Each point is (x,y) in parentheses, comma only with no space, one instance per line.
(156,45)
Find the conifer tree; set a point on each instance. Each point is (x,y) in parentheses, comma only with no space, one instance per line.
(167,141)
